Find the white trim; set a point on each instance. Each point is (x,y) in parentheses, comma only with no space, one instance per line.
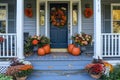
(37,17)
(46,18)
(71,8)
(79,17)
(113,62)
(19,27)
(113,4)
(97,29)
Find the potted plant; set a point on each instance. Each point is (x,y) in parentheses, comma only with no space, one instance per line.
(19,69)
(98,67)
(28,47)
(43,46)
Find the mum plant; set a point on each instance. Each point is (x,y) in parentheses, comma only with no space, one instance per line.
(82,39)
(19,68)
(98,68)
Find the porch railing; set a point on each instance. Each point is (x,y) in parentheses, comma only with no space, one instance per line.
(110,44)
(8,45)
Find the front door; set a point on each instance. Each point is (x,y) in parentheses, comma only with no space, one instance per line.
(59,25)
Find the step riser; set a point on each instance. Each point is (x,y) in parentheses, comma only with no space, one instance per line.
(59,65)
(59,75)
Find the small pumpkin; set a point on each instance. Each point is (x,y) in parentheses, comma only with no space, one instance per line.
(76,51)
(41,52)
(47,48)
(108,65)
(70,47)
(35,42)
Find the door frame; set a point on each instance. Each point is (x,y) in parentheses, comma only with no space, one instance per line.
(47,16)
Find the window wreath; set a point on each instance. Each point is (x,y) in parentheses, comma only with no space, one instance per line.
(88,12)
(28,11)
(58,17)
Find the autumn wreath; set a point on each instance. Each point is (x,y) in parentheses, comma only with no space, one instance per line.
(88,12)
(58,18)
(28,11)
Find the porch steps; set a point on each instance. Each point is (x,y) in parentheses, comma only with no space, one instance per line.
(60,66)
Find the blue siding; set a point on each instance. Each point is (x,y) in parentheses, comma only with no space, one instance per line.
(30,23)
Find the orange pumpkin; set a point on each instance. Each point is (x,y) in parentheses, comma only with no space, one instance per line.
(70,47)
(47,48)
(41,52)
(35,42)
(76,51)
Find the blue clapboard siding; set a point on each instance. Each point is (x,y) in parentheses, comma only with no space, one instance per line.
(11,15)
(30,23)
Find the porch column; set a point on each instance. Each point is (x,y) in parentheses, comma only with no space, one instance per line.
(19,27)
(97,29)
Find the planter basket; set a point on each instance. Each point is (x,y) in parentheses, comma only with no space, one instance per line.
(21,78)
(96,76)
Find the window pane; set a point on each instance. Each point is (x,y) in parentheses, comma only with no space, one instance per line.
(116,13)
(116,26)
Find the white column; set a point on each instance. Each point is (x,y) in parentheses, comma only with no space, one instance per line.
(97,29)
(38,17)
(71,20)
(46,18)
(79,17)
(19,26)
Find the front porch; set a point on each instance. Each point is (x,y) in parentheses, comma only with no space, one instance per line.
(18,27)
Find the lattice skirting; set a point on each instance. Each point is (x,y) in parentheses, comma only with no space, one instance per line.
(3,66)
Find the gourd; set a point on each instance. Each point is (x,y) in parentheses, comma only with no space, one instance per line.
(70,47)
(41,51)
(35,42)
(47,48)
(76,51)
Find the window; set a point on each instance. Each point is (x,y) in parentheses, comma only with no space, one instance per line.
(3,18)
(115,18)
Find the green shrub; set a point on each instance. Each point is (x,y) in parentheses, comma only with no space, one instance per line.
(4,77)
(115,75)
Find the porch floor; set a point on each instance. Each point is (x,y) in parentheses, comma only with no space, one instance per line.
(61,56)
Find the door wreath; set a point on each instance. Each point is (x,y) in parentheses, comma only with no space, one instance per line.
(58,18)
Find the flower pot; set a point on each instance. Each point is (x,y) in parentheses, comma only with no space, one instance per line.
(96,76)
(21,78)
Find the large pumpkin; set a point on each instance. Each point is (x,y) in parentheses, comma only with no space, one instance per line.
(76,51)
(47,48)
(35,42)
(108,65)
(41,52)
(70,47)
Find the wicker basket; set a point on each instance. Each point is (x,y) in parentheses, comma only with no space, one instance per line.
(21,78)
(97,76)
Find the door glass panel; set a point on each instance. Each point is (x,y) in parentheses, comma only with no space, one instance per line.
(42,14)
(75,14)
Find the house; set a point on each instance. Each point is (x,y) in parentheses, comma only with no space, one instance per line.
(103,25)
